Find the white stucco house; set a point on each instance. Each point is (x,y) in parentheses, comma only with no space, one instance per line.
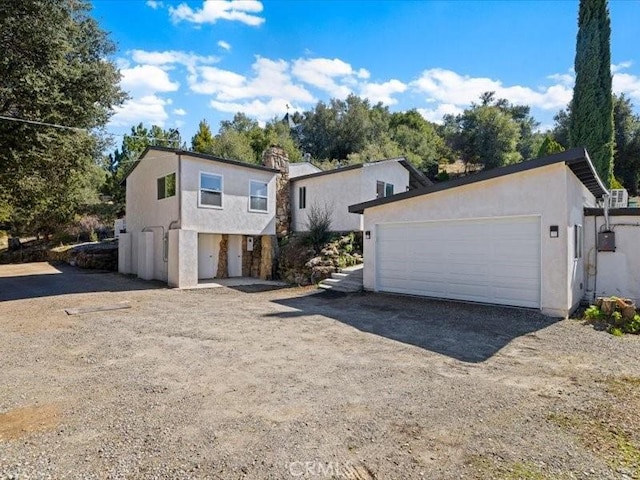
(512,235)
(338,188)
(192,216)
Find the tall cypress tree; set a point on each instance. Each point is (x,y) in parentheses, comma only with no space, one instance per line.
(591,122)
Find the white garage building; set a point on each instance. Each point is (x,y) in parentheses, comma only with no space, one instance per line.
(510,235)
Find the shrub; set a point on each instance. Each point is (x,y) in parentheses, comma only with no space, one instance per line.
(319,225)
(615,323)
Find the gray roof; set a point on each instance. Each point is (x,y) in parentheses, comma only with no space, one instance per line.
(416,178)
(577,159)
(203,156)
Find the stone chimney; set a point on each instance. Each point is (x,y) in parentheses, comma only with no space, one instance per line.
(275,157)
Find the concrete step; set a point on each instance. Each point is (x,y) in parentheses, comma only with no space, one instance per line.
(348,280)
(340,288)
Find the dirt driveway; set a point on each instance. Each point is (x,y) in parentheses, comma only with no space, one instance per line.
(291,383)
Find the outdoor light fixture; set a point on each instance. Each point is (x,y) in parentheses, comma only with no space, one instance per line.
(553,231)
(367,234)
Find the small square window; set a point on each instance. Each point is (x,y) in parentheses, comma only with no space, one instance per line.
(388,190)
(166,186)
(383,189)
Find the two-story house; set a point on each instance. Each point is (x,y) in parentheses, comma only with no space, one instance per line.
(192,216)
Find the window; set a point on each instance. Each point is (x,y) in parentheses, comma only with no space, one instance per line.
(302,197)
(259,196)
(167,186)
(388,189)
(210,190)
(577,241)
(383,189)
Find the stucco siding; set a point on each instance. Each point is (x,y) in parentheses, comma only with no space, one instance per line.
(578,197)
(339,190)
(144,210)
(613,273)
(542,192)
(235,216)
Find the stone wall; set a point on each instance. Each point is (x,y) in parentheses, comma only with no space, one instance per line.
(251,260)
(223,267)
(275,157)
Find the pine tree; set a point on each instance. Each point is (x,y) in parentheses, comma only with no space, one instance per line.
(549,147)
(591,122)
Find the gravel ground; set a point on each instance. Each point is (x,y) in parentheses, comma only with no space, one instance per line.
(290,383)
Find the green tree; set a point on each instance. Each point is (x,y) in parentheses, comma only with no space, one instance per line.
(487,133)
(591,120)
(118,163)
(627,136)
(549,146)
(203,141)
(54,68)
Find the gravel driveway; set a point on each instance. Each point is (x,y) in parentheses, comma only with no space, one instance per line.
(291,383)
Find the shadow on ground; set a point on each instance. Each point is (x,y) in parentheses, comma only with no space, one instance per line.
(467,332)
(33,280)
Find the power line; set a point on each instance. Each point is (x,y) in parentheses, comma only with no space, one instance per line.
(78,129)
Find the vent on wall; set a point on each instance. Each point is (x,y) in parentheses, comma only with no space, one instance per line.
(619,198)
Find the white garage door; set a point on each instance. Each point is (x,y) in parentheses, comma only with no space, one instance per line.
(490,260)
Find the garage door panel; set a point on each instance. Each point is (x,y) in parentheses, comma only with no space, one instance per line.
(490,260)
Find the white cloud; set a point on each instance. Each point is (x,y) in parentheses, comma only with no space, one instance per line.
(224,45)
(382,92)
(146,109)
(616,67)
(261,110)
(271,79)
(333,76)
(435,114)
(155,4)
(628,84)
(243,11)
(144,80)
(446,86)
(171,57)
(180,111)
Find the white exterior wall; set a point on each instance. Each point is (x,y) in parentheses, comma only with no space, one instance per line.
(234,217)
(613,273)
(145,210)
(341,189)
(541,191)
(578,197)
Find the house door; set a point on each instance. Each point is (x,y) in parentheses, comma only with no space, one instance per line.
(235,256)
(208,250)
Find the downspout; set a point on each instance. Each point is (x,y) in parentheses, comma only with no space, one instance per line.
(606,212)
(176,223)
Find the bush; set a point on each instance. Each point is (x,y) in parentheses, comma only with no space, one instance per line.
(319,225)
(614,323)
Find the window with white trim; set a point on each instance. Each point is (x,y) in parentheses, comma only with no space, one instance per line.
(258,196)
(210,190)
(302,198)
(167,186)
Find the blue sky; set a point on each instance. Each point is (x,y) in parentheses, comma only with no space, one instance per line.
(185,61)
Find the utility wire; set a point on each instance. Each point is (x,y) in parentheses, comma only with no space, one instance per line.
(77,129)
